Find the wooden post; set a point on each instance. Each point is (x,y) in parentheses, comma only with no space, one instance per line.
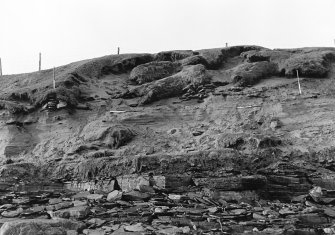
(298,82)
(40,62)
(54,79)
(118,50)
(0,68)
(226,44)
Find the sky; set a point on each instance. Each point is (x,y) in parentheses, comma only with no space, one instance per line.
(66,31)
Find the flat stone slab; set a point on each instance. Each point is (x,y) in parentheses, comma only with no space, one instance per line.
(231,183)
(40,226)
(78,212)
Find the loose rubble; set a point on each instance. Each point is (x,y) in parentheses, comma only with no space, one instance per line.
(195,91)
(180,142)
(161,212)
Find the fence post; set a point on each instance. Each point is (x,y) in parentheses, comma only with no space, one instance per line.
(118,50)
(54,79)
(298,82)
(40,62)
(0,68)
(226,44)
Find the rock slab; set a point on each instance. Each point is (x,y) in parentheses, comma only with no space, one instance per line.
(40,226)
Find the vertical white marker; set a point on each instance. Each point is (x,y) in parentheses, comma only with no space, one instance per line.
(54,79)
(40,62)
(298,82)
(0,68)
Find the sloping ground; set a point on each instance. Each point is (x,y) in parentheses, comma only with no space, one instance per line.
(220,120)
(212,107)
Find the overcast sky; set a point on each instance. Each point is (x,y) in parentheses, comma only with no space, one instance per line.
(70,30)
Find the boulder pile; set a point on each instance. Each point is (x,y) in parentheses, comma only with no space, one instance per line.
(150,209)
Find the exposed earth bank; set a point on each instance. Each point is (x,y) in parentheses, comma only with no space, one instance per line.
(225,125)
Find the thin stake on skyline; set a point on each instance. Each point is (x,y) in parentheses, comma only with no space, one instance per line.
(298,82)
(54,79)
(118,50)
(0,68)
(40,62)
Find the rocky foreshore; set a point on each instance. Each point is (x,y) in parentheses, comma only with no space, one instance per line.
(214,141)
(150,209)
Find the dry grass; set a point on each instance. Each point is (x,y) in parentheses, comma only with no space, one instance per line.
(312,64)
(18,92)
(328,87)
(21,90)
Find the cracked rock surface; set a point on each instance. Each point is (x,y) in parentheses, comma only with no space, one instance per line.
(215,141)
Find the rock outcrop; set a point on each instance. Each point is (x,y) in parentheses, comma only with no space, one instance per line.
(251,73)
(153,71)
(107,135)
(314,64)
(193,60)
(115,64)
(173,55)
(40,226)
(174,85)
(215,58)
(195,142)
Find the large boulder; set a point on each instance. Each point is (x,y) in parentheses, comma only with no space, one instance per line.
(213,57)
(174,85)
(251,73)
(255,56)
(173,55)
(107,134)
(40,226)
(276,56)
(193,60)
(310,64)
(233,51)
(114,64)
(118,136)
(77,212)
(153,71)
(216,57)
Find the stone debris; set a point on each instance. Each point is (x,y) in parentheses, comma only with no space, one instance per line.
(41,226)
(159,212)
(254,158)
(197,91)
(114,195)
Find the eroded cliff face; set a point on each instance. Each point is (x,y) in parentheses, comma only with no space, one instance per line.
(205,114)
(192,142)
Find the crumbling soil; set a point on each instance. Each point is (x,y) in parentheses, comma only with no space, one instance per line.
(215,141)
